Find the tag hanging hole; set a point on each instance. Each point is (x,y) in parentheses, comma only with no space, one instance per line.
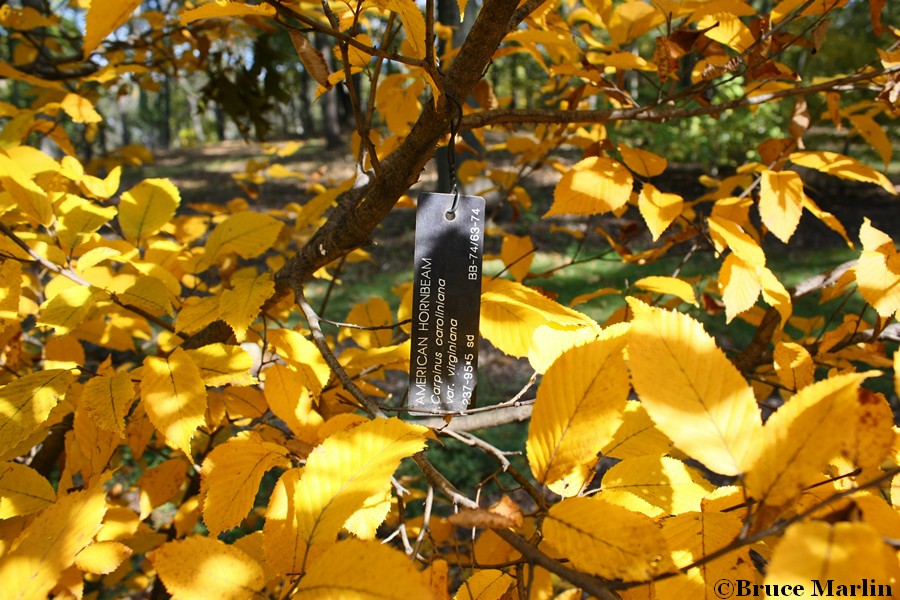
(450,215)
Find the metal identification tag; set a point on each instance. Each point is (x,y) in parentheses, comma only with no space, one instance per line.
(443,363)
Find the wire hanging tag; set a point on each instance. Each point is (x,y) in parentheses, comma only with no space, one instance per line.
(443,369)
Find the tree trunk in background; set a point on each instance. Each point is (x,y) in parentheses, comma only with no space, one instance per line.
(220,121)
(330,101)
(165,123)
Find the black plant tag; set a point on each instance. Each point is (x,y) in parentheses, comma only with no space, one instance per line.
(443,362)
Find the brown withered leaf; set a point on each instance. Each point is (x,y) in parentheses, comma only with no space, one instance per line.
(502,515)
(484,94)
(312,59)
(890,93)
(875,8)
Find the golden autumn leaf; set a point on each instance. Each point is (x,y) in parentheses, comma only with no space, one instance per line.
(102,558)
(302,355)
(413,22)
(289,398)
(10,292)
(668,285)
(240,305)
(511,313)
(146,207)
(692,536)
(841,166)
(793,365)
(871,434)
(68,309)
(31,200)
(637,435)
(223,8)
(150,294)
(174,397)
(375,312)
(23,490)
(874,134)
(658,209)
(48,546)
(606,540)
(705,407)
(223,364)
(781,202)
(517,254)
(247,234)
(592,186)
(160,483)
(503,514)
(578,409)
(102,188)
(813,553)
(655,486)
(642,162)
(26,402)
(77,218)
(341,474)
(878,270)
(357,569)
(231,474)
(103,19)
(80,109)
(486,584)
(196,313)
(801,437)
(108,399)
(201,567)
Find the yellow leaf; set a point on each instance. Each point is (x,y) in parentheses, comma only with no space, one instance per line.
(841,166)
(793,365)
(692,536)
(174,397)
(247,234)
(103,19)
(26,402)
(102,558)
(658,209)
(729,234)
(31,199)
(150,294)
(222,364)
(10,292)
(606,540)
(548,343)
(146,207)
(374,312)
(592,186)
(108,399)
(668,285)
(341,474)
(637,435)
(302,355)
(781,202)
(80,109)
(22,490)
(240,305)
(873,133)
(826,217)
(645,164)
(705,407)
(517,253)
(728,29)
(223,8)
(801,437)
(288,398)
(196,313)
(740,286)
(201,567)
(356,569)
(486,584)
(662,485)
(413,22)
(512,312)
(160,484)
(231,475)
(578,409)
(871,436)
(78,218)
(814,553)
(878,270)
(49,545)
(102,188)
(68,309)
(364,523)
